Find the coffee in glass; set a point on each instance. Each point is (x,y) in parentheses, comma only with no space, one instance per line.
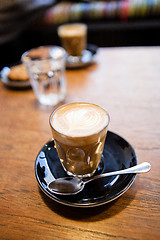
(79,131)
(73,37)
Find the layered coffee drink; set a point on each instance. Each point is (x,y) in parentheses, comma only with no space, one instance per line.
(79,131)
(73,38)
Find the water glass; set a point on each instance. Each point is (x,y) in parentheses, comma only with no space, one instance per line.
(46,68)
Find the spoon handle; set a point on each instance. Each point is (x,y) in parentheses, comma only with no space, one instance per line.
(140,168)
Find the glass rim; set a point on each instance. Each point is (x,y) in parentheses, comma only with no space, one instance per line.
(26,58)
(79,24)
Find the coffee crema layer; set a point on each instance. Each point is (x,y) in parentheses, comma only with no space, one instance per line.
(79,119)
(72,30)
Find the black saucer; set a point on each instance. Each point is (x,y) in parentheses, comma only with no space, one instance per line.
(83,61)
(118,154)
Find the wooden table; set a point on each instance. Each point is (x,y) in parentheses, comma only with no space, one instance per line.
(126,82)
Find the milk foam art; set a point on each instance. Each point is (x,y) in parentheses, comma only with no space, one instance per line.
(82,120)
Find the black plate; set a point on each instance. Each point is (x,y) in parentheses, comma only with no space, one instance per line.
(118,154)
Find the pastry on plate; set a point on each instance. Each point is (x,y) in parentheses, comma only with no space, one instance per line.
(18,73)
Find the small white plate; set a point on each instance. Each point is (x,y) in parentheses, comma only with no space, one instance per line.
(12,83)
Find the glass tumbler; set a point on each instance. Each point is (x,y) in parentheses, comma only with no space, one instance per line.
(46,68)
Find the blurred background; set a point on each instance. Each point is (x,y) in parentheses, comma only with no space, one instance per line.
(25,24)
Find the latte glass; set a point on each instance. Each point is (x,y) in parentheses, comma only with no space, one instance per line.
(73,38)
(46,68)
(79,131)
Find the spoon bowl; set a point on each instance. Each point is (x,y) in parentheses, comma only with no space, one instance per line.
(67,185)
(73,185)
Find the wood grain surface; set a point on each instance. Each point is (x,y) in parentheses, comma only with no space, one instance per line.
(124,81)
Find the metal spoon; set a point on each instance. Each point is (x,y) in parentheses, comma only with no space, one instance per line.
(73,185)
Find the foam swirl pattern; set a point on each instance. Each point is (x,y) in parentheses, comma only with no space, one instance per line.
(79,119)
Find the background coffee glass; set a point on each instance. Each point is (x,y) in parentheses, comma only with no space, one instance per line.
(73,38)
(79,131)
(46,68)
